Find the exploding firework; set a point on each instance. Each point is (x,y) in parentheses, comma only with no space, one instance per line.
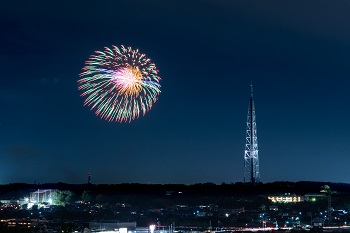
(119,83)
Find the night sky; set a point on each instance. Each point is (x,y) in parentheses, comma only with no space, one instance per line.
(296,53)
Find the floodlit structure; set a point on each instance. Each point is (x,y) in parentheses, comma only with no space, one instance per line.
(251,157)
(42,195)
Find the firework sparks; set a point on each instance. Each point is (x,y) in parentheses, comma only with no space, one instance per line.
(119,84)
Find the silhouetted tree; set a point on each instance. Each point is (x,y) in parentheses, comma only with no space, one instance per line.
(64,197)
(86,196)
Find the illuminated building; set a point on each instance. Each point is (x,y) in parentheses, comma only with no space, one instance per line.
(286,198)
(25,223)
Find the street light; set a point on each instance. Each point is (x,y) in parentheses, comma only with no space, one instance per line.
(152,227)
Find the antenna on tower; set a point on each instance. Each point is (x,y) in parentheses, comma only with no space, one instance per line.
(251,89)
(251,158)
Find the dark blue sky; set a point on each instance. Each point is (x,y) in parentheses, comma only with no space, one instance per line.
(297,54)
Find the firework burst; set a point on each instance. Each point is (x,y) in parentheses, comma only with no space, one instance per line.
(119,83)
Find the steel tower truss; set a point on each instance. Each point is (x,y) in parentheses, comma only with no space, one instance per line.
(251,157)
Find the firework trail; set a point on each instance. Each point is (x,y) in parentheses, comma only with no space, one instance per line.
(120,84)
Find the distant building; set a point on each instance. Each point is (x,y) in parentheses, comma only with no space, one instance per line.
(286,198)
(168,193)
(313,196)
(5,202)
(25,223)
(317,222)
(292,198)
(106,225)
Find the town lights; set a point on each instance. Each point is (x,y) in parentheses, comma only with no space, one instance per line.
(152,227)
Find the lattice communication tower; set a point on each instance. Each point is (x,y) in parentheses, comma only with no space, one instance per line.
(251,157)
